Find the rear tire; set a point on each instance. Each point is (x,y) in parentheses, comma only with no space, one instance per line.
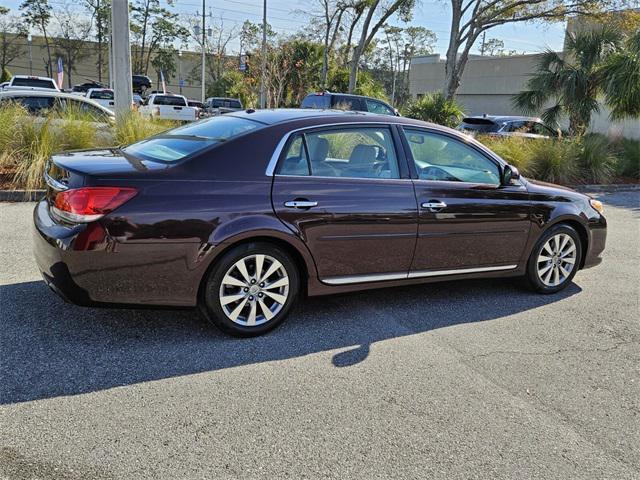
(555,259)
(251,289)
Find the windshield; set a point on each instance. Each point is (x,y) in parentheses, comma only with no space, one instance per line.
(183,141)
(478,125)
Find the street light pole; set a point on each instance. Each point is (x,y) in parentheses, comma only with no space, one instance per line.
(180,70)
(204,39)
(121,51)
(30,39)
(263,77)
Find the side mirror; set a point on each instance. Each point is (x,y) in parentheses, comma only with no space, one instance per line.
(396,112)
(509,173)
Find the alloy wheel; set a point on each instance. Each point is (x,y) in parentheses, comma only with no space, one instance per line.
(254,290)
(556,260)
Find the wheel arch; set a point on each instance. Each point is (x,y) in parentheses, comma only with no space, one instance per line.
(304,263)
(580,229)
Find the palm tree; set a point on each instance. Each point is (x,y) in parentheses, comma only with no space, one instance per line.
(572,81)
(622,80)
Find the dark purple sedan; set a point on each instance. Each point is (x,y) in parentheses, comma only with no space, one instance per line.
(242,214)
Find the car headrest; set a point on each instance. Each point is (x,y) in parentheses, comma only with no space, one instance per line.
(363,154)
(318,149)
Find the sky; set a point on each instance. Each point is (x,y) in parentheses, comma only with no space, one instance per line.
(287,16)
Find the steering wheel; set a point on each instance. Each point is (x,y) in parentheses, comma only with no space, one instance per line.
(436,173)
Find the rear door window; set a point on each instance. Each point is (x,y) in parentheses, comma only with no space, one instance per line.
(355,152)
(295,160)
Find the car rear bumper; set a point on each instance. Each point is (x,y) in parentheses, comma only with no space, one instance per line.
(83,265)
(51,244)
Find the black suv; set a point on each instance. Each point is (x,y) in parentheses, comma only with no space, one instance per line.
(346,101)
(140,83)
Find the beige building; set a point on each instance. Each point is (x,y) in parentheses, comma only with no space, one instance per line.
(33,60)
(489,83)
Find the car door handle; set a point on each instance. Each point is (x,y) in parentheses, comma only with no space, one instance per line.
(434,205)
(300,204)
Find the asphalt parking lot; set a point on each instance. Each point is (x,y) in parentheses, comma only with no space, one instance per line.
(476,379)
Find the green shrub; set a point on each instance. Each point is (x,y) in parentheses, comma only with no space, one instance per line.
(133,127)
(435,108)
(514,150)
(554,160)
(628,153)
(595,159)
(39,143)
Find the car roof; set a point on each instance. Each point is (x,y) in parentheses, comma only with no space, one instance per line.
(33,77)
(281,115)
(503,118)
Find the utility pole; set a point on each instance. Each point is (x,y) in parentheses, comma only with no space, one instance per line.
(484,35)
(30,40)
(204,46)
(121,51)
(263,77)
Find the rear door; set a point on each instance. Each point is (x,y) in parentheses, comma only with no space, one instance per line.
(346,192)
(467,219)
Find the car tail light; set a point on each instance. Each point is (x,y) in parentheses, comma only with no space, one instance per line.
(82,205)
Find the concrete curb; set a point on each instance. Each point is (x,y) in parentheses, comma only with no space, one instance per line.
(21,195)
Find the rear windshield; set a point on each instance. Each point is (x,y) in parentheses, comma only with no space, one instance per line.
(316,101)
(32,82)
(225,103)
(102,95)
(478,125)
(169,100)
(183,141)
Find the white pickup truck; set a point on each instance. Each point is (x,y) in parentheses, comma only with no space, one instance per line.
(102,96)
(28,82)
(168,107)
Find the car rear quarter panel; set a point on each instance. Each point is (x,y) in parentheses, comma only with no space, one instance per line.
(183,219)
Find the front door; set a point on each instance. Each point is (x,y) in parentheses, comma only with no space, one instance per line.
(468,221)
(345,193)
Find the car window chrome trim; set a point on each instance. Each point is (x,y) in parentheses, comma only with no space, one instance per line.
(416,274)
(273,162)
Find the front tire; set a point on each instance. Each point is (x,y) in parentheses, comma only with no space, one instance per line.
(554,260)
(251,289)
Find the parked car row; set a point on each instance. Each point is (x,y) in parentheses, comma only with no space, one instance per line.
(169,106)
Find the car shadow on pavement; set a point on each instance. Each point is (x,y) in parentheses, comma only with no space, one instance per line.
(49,348)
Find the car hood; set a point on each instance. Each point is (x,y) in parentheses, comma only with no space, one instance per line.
(104,162)
(545,188)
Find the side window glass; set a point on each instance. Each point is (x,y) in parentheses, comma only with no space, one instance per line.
(366,152)
(442,158)
(379,107)
(294,161)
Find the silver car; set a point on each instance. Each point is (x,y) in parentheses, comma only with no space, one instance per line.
(508,126)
